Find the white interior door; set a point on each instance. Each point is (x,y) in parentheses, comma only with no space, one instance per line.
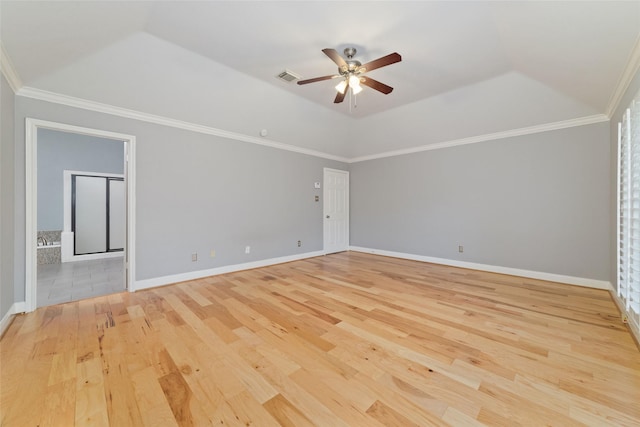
(336,210)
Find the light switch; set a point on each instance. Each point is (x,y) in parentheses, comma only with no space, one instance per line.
(316,185)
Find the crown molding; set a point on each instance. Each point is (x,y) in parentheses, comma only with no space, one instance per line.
(9,71)
(598,118)
(630,71)
(70,101)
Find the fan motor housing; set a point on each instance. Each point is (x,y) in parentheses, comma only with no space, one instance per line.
(352,64)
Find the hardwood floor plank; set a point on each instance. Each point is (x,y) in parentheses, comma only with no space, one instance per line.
(301,398)
(248,412)
(413,412)
(186,410)
(285,413)
(151,399)
(585,410)
(388,416)
(529,412)
(91,404)
(459,419)
(60,404)
(339,340)
(63,367)
(342,408)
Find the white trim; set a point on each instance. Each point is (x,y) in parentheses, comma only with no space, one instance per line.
(89,257)
(193,275)
(6,320)
(633,318)
(629,72)
(634,326)
(130,179)
(16,307)
(540,275)
(616,284)
(31,160)
(31,215)
(9,70)
(20,307)
(70,101)
(582,121)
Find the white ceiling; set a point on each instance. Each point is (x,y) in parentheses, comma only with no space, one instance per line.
(556,60)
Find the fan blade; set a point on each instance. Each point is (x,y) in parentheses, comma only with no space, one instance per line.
(374,84)
(340,96)
(392,58)
(317,79)
(335,57)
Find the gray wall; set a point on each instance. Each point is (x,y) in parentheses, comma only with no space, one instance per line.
(7,182)
(537,202)
(209,193)
(200,192)
(58,151)
(540,202)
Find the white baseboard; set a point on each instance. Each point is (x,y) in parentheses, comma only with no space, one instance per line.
(634,326)
(192,275)
(551,277)
(17,307)
(20,307)
(89,257)
(6,320)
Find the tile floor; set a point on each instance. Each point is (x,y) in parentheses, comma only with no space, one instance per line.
(71,281)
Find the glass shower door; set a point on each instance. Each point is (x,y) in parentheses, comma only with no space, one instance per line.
(98,217)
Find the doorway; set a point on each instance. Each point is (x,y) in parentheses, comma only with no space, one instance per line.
(336,210)
(43,229)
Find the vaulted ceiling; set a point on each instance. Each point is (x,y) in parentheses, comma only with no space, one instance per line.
(468,68)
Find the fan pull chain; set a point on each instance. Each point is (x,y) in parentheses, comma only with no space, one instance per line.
(353,97)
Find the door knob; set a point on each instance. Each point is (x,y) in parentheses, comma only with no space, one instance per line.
(328,216)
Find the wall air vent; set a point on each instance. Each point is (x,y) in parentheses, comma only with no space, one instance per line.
(288,76)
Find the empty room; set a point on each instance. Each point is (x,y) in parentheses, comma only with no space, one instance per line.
(319,213)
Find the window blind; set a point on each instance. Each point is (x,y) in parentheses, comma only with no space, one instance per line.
(629,207)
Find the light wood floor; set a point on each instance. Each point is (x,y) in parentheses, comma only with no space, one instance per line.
(343,340)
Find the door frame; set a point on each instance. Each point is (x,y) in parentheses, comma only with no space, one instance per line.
(31,193)
(324,213)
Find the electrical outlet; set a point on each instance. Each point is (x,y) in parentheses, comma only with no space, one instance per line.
(461,249)
(299,243)
(194,257)
(247,249)
(212,254)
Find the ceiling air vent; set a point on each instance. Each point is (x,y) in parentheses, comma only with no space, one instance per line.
(288,76)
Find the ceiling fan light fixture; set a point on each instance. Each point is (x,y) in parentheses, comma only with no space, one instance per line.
(350,72)
(354,84)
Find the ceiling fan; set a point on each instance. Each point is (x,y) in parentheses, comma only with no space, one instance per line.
(351,71)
